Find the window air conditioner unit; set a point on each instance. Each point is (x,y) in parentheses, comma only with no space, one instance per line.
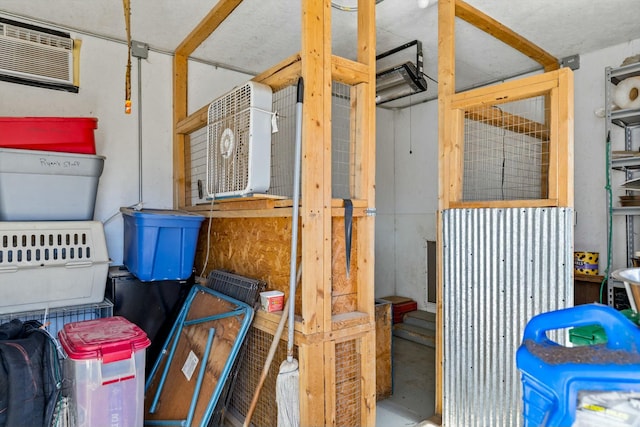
(36,56)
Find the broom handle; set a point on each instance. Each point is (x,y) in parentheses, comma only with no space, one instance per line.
(270,355)
(295,214)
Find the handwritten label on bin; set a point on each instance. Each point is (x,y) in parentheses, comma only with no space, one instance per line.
(59,164)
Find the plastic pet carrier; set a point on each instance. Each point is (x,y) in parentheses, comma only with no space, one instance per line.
(51,264)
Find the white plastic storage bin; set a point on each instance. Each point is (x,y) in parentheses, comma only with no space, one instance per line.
(104,371)
(51,264)
(48,186)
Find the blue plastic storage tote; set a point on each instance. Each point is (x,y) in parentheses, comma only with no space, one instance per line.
(160,244)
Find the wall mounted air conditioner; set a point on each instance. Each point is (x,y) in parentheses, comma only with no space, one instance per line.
(239,142)
(36,56)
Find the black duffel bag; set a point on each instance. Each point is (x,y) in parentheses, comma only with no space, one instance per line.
(30,378)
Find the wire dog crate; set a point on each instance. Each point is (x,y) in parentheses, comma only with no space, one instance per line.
(54,319)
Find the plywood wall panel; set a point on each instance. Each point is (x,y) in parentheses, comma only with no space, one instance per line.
(260,248)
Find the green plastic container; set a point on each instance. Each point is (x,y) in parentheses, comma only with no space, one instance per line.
(594,334)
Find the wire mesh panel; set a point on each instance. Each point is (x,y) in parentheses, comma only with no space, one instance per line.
(55,318)
(506,151)
(348,384)
(283,142)
(341,152)
(258,343)
(198,167)
(282,148)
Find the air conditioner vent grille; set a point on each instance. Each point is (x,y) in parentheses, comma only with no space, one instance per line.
(35,55)
(34,36)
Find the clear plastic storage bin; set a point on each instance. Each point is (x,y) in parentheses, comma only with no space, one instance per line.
(104,372)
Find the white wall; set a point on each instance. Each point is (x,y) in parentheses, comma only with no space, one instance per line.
(101,95)
(406,183)
(406,199)
(407,172)
(590,168)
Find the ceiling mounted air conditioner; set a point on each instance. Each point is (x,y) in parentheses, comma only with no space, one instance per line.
(36,56)
(400,80)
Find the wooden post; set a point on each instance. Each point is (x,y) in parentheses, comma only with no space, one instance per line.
(315,209)
(365,189)
(446,88)
(179,113)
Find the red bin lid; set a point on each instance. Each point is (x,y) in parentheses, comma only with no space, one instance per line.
(110,339)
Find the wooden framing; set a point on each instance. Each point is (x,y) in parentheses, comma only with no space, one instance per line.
(331,309)
(550,85)
(319,328)
(556,86)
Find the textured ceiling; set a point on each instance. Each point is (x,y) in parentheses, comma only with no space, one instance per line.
(260,33)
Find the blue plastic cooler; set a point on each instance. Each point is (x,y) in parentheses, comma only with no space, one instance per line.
(552,375)
(160,244)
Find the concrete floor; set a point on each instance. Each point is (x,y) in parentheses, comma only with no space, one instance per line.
(413,397)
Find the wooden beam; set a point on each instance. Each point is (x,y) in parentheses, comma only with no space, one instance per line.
(524,88)
(529,203)
(315,211)
(349,72)
(490,26)
(316,175)
(194,121)
(446,88)
(284,73)
(207,26)
(179,113)
(565,139)
(330,383)
(495,117)
(364,227)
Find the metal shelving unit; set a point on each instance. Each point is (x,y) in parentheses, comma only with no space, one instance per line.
(628,163)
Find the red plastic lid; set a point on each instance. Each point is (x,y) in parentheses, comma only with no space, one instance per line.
(91,121)
(110,339)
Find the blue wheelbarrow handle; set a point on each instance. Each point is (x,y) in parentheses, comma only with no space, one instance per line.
(622,334)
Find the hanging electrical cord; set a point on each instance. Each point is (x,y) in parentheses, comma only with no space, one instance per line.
(206,257)
(127,84)
(430,78)
(607,187)
(338,6)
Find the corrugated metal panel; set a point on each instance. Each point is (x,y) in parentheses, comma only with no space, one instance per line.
(500,268)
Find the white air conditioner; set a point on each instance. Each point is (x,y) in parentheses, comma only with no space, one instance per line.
(239,142)
(35,54)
